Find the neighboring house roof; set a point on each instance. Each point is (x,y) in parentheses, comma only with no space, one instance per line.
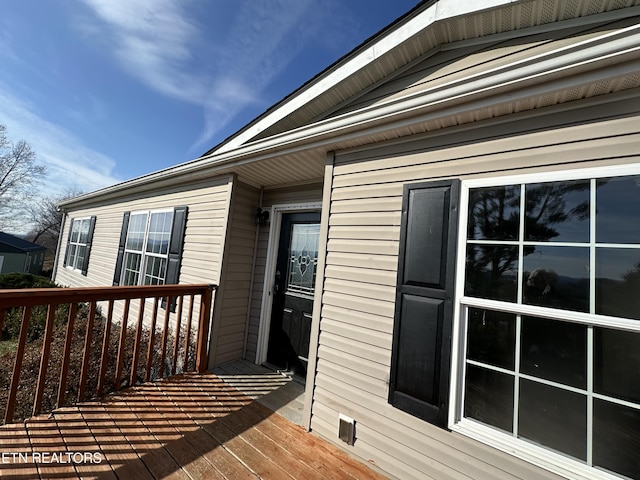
(12,244)
(291,139)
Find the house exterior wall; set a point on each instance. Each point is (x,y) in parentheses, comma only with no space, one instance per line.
(208,203)
(232,299)
(359,291)
(13,262)
(311,193)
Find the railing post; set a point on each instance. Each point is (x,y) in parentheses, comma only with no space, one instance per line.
(136,344)
(84,372)
(202,356)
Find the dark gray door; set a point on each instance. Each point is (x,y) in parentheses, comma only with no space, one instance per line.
(293,292)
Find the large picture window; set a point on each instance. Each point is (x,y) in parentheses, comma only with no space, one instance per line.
(150,250)
(548,331)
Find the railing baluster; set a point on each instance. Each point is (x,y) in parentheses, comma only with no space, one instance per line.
(152,333)
(176,343)
(165,334)
(203,330)
(122,344)
(187,335)
(84,371)
(64,369)
(136,345)
(44,359)
(104,357)
(17,365)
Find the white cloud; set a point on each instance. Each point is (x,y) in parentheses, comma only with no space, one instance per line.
(70,164)
(162,45)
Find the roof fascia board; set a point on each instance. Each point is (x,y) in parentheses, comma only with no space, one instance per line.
(574,63)
(439,11)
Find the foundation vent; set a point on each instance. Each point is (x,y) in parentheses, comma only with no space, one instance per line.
(346,429)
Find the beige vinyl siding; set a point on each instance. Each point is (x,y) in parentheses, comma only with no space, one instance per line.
(232,301)
(465,61)
(354,352)
(311,193)
(201,261)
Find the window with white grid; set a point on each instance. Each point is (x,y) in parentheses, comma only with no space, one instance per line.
(548,333)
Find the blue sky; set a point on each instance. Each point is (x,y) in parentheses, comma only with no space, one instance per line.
(108,90)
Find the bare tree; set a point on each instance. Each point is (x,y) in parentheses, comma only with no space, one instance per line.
(19,174)
(45,219)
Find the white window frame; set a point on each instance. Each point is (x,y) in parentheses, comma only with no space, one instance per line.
(144,255)
(543,457)
(73,265)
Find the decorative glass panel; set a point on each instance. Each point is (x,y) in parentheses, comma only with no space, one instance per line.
(557,277)
(492,337)
(618,210)
(617,364)
(557,211)
(492,272)
(553,417)
(303,258)
(554,350)
(618,282)
(616,438)
(489,397)
(494,213)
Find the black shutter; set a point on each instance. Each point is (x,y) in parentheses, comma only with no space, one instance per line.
(66,252)
(421,356)
(123,240)
(175,245)
(85,265)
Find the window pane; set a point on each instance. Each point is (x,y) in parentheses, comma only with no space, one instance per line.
(155,271)
(72,255)
(492,272)
(618,282)
(494,213)
(131,268)
(617,364)
(84,231)
(557,277)
(492,337)
(75,230)
(616,438)
(81,252)
(554,350)
(137,228)
(489,397)
(618,210)
(159,232)
(553,418)
(557,211)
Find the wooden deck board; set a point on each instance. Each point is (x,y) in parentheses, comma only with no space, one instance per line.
(187,427)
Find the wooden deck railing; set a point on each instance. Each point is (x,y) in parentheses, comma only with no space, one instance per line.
(174,297)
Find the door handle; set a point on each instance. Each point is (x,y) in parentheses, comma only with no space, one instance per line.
(276,283)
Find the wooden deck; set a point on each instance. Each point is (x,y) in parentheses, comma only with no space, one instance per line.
(187,427)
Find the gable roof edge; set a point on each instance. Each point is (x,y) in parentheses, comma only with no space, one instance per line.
(421,17)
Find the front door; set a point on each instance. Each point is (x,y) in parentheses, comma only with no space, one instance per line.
(293,293)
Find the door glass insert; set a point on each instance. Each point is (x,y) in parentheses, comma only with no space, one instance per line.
(303,258)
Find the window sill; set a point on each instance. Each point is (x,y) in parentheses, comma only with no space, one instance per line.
(529,452)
